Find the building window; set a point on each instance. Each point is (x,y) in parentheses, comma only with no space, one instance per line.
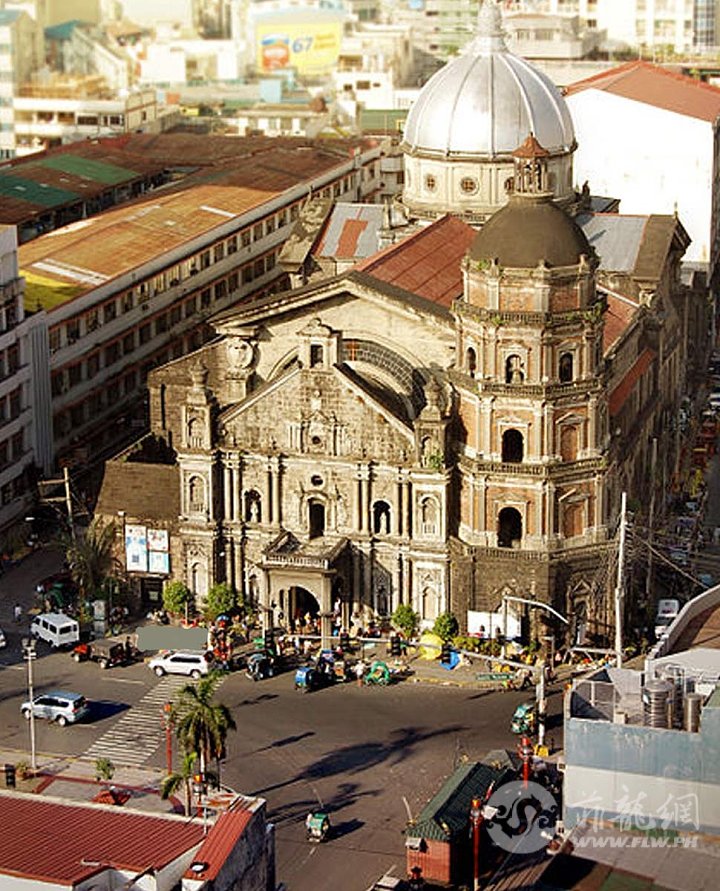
(468,185)
(509,528)
(569,442)
(513,447)
(316,518)
(75,374)
(566,368)
(428,516)
(93,365)
(231,245)
(72,330)
(128,343)
(316,355)
(54,340)
(109,311)
(471,361)
(190,306)
(430,182)
(112,353)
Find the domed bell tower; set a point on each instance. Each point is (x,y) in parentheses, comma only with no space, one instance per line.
(531,393)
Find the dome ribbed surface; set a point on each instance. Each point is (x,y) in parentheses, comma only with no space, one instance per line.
(487,101)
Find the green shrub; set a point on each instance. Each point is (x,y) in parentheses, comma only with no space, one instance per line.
(406,620)
(176,595)
(446,626)
(220,599)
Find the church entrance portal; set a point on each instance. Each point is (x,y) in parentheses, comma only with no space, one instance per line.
(509,528)
(301,603)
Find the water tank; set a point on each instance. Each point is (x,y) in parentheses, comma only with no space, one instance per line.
(676,676)
(656,697)
(692,707)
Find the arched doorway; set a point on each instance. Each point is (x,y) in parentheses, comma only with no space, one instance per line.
(316,518)
(301,603)
(513,446)
(509,528)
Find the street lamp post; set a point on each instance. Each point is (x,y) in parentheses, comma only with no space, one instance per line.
(28,648)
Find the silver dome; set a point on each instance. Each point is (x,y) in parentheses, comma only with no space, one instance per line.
(487,101)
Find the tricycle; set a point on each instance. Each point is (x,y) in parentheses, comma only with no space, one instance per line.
(317,826)
(524,717)
(260,665)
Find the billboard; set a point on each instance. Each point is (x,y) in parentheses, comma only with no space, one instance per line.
(147,550)
(311,48)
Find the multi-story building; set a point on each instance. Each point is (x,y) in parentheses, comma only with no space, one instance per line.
(21,54)
(650,137)
(25,446)
(187,252)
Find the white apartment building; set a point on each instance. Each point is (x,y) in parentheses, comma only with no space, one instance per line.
(41,122)
(650,23)
(21,54)
(25,428)
(650,137)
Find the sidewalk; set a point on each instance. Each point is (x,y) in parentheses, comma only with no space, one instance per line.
(74,779)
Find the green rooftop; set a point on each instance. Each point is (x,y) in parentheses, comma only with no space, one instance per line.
(98,171)
(35,193)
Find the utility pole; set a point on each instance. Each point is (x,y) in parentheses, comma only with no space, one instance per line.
(620,584)
(651,521)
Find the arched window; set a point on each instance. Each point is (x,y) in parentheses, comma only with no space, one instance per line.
(514,373)
(381,518)
(509,528)
(569,442)
(513,446)
(195,433)
(316,518)
(196,493)
(565,370)
(471,361)
(253,507)
(429,516)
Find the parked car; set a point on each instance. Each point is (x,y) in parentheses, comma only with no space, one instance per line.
(58,706)
(194,665)
(56,628)
(106,651)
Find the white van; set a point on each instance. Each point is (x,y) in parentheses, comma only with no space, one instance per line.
(667,610)
(57,629)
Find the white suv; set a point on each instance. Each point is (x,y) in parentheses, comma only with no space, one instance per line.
(194,665)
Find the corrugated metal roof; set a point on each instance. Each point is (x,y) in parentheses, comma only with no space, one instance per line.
(448,811)
(87,168)
(616,238)
(426,263)
(97,249)
(653,85)
(351,232)
(219,843)
(65,843)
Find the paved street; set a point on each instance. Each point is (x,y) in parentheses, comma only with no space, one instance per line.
(372,756)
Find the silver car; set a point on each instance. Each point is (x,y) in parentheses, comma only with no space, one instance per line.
(58,706)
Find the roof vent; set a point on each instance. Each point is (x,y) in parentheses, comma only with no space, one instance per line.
(198,866)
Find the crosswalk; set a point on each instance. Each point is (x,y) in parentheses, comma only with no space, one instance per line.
(139,732)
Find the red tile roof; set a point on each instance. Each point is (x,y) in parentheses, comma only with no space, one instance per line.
(653,85)
(620,394)
(65,843)
(220,841)
(426,263)
(617,318)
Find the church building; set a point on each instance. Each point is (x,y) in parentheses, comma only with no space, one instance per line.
(448,422)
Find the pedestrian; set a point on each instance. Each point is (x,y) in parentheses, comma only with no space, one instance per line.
(17,612)
(359,672)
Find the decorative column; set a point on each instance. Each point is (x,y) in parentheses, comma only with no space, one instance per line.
(276,496)
(270,513)
(229,496)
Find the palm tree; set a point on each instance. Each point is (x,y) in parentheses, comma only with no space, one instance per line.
(202,724)
(91,558)
(183,777)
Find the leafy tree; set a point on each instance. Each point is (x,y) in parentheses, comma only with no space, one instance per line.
(176,595)
(202,724)
(405,619)
(91,558)
(181,778)
(446,626)
(220,599)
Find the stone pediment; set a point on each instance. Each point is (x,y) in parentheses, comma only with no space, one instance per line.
(323,414)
